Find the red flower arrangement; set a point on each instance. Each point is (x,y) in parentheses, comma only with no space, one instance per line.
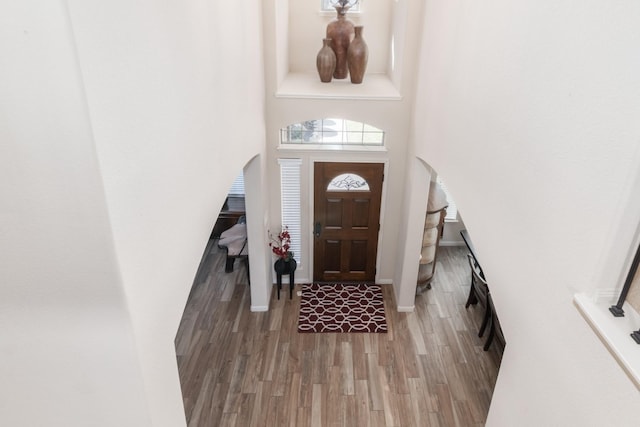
(280,244)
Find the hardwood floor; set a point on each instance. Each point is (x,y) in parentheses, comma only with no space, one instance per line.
(239,368)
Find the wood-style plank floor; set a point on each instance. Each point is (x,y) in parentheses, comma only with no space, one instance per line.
(239,368)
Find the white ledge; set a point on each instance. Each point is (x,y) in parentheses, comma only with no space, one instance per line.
(614,332)
(304,85)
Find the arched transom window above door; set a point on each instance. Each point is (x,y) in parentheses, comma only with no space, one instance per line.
(348,182)
(332,131)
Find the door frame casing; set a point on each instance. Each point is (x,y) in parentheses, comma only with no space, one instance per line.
(310,213)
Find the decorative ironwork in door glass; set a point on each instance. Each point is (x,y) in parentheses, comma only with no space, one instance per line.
(348,182)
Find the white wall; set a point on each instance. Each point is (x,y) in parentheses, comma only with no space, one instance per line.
(530,110)
(407,256)
(124,124)
(127,123)
(388,115)
(256,189)
(177,110)
(68,355)
(391,115)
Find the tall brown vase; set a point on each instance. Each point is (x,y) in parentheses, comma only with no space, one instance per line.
(357,56)
(326,61)
(340,31)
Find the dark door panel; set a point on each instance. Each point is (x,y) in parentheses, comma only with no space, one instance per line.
(347,198)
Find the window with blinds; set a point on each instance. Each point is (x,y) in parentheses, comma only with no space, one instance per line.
(237,188)
(452,209)
(290,208)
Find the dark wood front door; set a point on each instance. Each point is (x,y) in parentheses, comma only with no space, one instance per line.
(346,220)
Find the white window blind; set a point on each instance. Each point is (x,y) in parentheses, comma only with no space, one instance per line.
(237,188)
(452,209)
(291,215)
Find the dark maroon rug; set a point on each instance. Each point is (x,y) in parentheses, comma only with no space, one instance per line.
(342,308)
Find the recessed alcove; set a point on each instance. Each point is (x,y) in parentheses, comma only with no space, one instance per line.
(300,27)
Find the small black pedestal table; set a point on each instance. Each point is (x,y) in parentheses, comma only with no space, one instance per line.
(285,267)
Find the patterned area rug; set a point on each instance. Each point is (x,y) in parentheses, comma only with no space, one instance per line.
(342,308)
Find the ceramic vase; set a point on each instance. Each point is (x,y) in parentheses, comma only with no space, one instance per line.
(326,61)
(357,56)
(340,31)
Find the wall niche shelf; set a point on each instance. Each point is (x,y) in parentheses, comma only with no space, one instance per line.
(308,86)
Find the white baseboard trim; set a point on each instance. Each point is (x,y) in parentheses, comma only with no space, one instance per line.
(406,308)
(384,282)
(256,308)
